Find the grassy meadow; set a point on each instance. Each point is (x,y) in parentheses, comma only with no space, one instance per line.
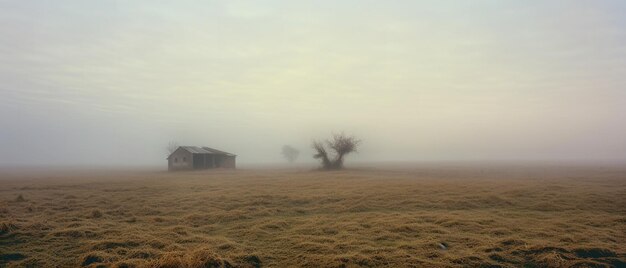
(523,216)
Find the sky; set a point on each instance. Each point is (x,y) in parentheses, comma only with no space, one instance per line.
(112,82)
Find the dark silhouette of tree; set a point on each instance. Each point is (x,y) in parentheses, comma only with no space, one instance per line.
(322,154)
(341,144)
(290,153)
(171,147)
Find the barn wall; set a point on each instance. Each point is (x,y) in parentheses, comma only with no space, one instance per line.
(180,160)
(228,162)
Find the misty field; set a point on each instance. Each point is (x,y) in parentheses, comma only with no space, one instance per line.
(420,217)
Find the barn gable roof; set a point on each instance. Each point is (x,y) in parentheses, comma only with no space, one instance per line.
(204,150)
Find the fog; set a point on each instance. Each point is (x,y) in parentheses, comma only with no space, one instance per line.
(112,82)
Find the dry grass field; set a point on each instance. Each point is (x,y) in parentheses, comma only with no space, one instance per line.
(422,217)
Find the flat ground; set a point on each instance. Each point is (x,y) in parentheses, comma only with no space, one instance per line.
(424,217)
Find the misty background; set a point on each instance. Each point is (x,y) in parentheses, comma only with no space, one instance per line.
(112,82)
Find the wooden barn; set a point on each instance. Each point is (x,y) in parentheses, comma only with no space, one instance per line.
(192,157)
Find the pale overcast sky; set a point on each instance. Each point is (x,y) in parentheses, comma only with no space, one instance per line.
(111,82)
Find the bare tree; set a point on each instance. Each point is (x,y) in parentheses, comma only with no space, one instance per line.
(290,153)
(322,154)
(171,147)
(341,144)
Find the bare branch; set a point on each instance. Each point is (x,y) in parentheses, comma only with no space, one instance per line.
(321,154)
(171,147)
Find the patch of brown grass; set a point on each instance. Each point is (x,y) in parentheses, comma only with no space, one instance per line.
(355,218)
(20,198)
(96,214)
(7,227)
(203,257)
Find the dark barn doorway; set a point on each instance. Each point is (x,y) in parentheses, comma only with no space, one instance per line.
(204,161)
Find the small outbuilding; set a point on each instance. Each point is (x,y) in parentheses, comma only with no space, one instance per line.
(193,157)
